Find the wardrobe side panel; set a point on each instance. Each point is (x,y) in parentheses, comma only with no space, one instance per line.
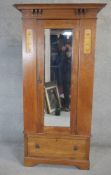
(29,75)
(86,75)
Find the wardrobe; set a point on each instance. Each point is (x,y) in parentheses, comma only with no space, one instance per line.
(58,48)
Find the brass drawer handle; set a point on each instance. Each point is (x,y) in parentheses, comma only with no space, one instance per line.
(37,146)
(75,148)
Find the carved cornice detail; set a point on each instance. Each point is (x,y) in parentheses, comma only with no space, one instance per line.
(36,12)
(80,11)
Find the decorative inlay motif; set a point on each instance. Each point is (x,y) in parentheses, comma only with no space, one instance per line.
(87,41)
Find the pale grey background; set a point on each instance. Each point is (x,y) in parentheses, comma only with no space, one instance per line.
(11,111)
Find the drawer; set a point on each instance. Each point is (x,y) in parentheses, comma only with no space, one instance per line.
(58,147)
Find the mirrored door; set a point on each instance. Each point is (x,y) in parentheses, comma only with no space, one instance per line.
(57,71)
(59,41)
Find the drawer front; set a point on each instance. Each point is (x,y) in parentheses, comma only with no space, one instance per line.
(54,147)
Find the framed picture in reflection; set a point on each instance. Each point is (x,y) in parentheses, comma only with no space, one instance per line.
(52,98)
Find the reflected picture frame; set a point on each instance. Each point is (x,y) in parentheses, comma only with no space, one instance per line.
(52,98)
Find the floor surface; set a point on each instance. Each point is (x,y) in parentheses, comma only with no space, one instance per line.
(62,120)
(11,162)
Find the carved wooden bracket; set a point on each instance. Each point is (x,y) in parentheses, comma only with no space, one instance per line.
(37,12)
(80,11)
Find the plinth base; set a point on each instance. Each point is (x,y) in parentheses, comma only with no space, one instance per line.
(31,161)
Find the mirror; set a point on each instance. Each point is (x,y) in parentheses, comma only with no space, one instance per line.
(58,56)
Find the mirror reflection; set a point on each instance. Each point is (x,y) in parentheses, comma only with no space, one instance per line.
(58,56)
